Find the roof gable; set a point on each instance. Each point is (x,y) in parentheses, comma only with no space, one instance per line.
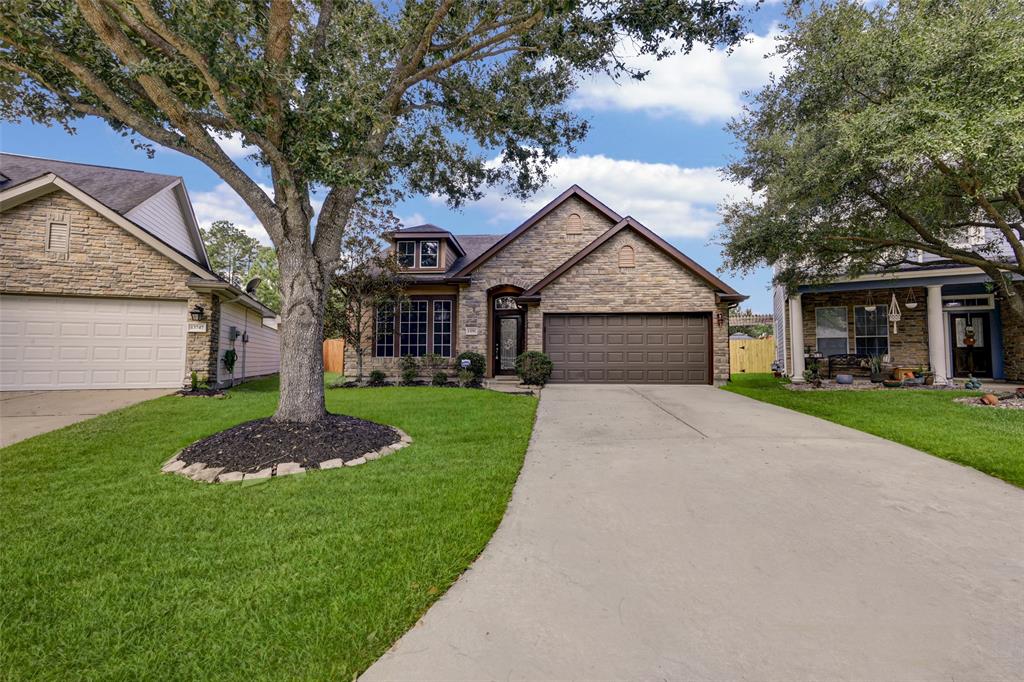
(120,189)
(574,191)
(724,291)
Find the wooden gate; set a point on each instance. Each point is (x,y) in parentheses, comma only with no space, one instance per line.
(334,355)
(747,356)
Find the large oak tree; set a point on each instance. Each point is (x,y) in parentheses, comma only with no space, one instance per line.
(358,100)
(896,129)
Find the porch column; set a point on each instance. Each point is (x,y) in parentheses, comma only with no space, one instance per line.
(796,338)
(936,334)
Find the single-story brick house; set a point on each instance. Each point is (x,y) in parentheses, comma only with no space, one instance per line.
(606,298)
(951,322)
(105,283)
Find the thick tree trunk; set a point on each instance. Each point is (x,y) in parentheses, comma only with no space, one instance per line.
(303,288)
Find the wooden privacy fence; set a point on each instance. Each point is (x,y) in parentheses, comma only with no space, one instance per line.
(751,355)
(334,355)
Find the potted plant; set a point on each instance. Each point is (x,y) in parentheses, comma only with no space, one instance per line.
(876,369)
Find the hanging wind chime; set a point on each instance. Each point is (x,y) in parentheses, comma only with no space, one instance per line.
(894,314)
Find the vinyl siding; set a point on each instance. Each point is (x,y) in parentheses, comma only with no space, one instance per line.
(161,216)
(262,355)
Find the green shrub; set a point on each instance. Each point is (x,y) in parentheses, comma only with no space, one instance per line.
(440,379)
(377,378)
(477,363)
(195,380)
(407,362)
(467,378)
(534,367)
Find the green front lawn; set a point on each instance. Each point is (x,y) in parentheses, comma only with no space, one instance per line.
(111,570)
(989,440)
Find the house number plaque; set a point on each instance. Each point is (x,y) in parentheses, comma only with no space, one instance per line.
(471,331)
(196,327)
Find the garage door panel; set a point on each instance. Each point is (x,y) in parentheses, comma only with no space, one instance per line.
(76,342)
(658,348)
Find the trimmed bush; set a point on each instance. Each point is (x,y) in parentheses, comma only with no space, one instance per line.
(467,379)
(377,378)
(477,363)
(534,367)
(440,379)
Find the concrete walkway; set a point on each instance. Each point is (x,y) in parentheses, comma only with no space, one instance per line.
(687,533)
(24,414)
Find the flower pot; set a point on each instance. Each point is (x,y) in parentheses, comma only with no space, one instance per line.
(844,379)
(892,383)
(877,377)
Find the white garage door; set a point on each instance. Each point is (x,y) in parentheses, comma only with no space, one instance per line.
(64,342)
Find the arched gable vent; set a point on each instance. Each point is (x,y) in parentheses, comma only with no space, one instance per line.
(574,224)
(627,257)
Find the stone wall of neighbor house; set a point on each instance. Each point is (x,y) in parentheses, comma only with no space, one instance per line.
(656,284)
(908,347)
(1013,344)
(523,263)
(102,260)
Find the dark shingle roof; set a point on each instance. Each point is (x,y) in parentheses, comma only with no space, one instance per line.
(473,245)
(427,227)
(119,188)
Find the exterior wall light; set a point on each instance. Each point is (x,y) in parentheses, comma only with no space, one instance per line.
(196,313)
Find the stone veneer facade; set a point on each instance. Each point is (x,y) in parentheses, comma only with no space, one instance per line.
(102,260)
(1013,344)
(907,348)
(657,283)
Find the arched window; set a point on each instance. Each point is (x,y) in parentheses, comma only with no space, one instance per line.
(627,257)
(506,303)
(574,224)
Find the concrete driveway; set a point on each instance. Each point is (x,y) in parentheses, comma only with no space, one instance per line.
(687,533)
(24,414)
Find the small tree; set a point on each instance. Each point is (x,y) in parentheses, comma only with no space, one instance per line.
(897,128)
(369,279)
(264,266)
(231,251)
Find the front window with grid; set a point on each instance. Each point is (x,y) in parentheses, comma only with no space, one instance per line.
(407,254)
(871,328)
(443,328)
(830,330)
(384,346)
(413,328)
(428,254)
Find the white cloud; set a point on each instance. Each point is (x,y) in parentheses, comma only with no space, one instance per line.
(223,203)
(412,219)
(233,145)
(671,200)
(704,85)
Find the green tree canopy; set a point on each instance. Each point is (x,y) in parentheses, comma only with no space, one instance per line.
(897,128)
(357,100)
(230,250)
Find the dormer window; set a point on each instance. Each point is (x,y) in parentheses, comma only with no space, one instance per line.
(407,254)
(428,254)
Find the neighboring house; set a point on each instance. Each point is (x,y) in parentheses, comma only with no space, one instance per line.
(951,321)
(606,298)
(105,283)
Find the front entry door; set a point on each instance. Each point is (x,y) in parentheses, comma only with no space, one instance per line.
(972,350)
(508,327)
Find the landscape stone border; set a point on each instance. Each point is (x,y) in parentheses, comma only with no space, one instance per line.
(203,474)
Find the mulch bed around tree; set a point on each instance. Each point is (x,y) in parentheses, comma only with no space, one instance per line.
(256,445)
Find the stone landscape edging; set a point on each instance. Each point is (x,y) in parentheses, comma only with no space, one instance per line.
(197,471)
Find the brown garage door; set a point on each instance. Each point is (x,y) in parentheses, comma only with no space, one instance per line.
(635,349)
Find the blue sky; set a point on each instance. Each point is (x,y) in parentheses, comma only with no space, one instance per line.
(653,152)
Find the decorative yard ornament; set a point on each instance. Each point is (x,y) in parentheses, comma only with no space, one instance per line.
(894,314)
(870,306)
